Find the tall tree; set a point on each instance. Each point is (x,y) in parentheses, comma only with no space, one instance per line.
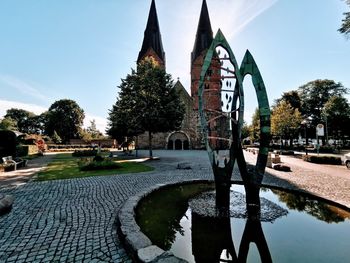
(315,94)
(123,120)
(336,114)
(285,121)
(91,132)
(345,27)
(292,98)
(66,118)
(25,120)
(147,102)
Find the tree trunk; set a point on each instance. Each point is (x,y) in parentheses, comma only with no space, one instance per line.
(150,144)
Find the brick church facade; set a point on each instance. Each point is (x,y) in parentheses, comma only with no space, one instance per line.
(189,136)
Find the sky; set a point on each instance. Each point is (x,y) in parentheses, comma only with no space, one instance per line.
(80,50)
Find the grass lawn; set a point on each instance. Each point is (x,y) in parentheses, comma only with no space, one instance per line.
(64,166)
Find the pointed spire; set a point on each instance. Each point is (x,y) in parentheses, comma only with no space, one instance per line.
(204,35)
(152,37)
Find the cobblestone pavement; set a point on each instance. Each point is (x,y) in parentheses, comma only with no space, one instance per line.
(74,220)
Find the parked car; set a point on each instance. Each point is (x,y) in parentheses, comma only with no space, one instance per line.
(347,160)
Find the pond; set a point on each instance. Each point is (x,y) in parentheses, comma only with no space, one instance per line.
(290,227)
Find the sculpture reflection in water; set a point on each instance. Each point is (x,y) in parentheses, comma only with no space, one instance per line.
(221,110)
(219,246)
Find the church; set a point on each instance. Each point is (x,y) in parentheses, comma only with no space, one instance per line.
(189,136)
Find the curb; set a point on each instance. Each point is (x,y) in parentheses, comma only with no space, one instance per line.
(137,243)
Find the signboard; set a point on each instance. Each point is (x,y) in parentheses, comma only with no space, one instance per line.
(320,130)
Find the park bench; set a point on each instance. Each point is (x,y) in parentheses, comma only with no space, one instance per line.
(8,160)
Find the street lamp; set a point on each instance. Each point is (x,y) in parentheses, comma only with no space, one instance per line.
(326,125)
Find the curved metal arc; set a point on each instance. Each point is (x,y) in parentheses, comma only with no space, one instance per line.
(249,66)
(219,41)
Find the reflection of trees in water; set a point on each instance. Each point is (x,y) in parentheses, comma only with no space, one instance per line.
(317,209)
(160,213)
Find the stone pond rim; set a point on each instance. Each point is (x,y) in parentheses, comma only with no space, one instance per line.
(140,247)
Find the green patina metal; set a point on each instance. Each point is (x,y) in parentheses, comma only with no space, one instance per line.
(249,66)
(223,175)
(219,40)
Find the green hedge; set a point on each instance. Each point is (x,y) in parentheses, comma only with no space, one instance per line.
(97,165)
(322,159)
(284,152)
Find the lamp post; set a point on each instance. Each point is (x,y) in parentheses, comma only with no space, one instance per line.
(326,124)
(306,124)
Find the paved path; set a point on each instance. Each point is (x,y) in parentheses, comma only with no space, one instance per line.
(328,181)
(25,174)
(74,220)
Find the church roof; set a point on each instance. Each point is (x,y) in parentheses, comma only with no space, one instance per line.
(152,37)
(204,35)
(181,89)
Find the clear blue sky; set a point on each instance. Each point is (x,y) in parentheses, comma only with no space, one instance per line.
(51,50)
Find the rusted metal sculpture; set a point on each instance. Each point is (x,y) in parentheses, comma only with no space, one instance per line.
(221,111)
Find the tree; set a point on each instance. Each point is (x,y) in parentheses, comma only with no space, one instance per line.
(285,121)
(25,120)
(315,94)
(291,97)
(123,119)
(336,113)
(245,130)
(345,27)
(91,132)
(66,118)
(147,103)
(255,126)
(8,123)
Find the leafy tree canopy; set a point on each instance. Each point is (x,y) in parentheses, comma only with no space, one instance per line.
(24,119)
(336,112)
(345,27)
(8,123)
(292,98)
(66,118)
(91,132)
(255,126)
(285,120)
(123,121)
(147,103)
(315,94)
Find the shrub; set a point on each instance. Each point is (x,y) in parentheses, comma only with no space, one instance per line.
(84,153)
(284,152)
(326,149)
(86,165)
(322,159)
(22,150)
(98,158)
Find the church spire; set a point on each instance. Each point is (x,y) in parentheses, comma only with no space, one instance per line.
(152,41)
(204,35)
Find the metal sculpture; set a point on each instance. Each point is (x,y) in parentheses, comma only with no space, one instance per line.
(222,122)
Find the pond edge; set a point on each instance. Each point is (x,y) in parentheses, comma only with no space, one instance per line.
(140,247)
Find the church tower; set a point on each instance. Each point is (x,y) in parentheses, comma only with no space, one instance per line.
(204,38)
(152,45)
